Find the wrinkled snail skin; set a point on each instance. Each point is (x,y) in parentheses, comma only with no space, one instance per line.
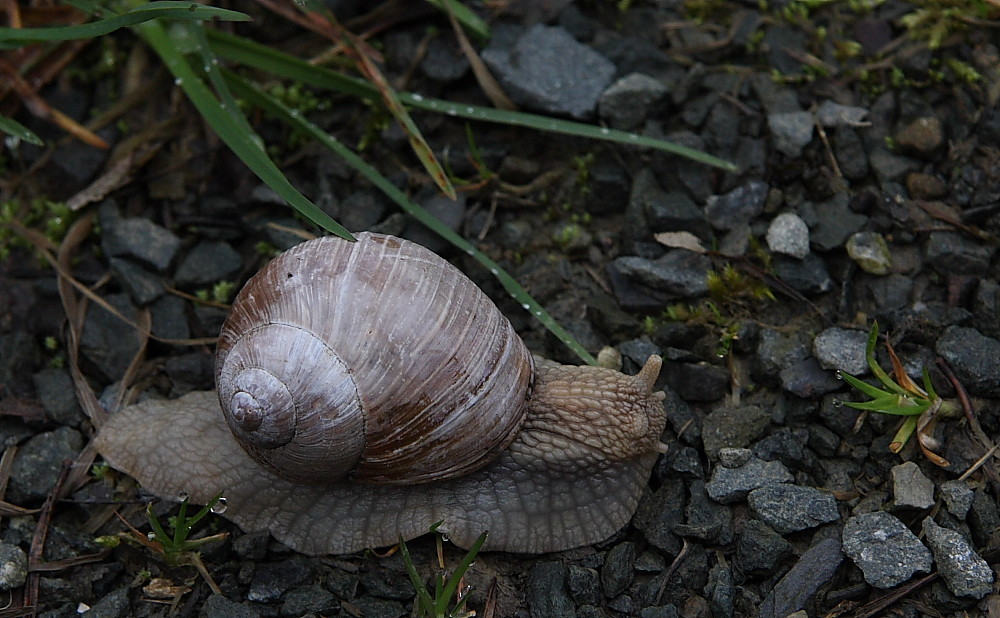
(569,469)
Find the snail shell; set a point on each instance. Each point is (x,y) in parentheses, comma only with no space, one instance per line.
(319,382)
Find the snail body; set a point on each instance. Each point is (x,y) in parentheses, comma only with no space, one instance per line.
(369,390)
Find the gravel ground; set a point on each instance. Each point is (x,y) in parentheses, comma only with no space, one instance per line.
(869,189)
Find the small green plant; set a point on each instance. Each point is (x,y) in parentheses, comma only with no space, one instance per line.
(175,547)
(51,218)
(902,396)
(439,604)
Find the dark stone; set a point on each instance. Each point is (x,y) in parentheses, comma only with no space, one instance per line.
(705,520)
(626,103)
(680,272)
(884,549)
(807,378)
(142,286)
(273,579)
(697,381)
(218,606)
(546,594)
(787,445)
(20,356)
(618,570)
(107,342)
(657,515)
(444,61)
(584,585)
(208,262)
(13,566)
(965,573)
(953,253)
(974,357)
(733,426)
(39,463)
(55,391)
(169,321)
(759,549)
(814,569)
(849,149)
(309,600)
(140,239)
(732,484)
(113,605)
(666,212)
(790,508)
(832,222)
(685,462)
(547,70)
(808,275)
(738,207)
(721,591)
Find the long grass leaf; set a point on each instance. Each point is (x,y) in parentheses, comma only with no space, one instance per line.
(469,20)
(866,388)
(252,54)
(16,37)
(905,431)
(269,104)
(14,128)
(232,131)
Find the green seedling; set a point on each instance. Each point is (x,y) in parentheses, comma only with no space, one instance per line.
(902,397)
(175,547)
(439,603)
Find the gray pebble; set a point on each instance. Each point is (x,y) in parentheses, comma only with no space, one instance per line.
(584,585)
(142,286)
(218,606)
(954,253)
(808,275)
(113,605)
(807,378)
(679,272)
(547,595)
(831,114)
(759,549)
(40,461)
(732,426)
(796,589)
(657,515)
(910,488)
(842,350)
(957,497)
(618,569)
(627,102)
(309,600)
(729,485)
(870,251)
(884,549)
(208,262)
(735,457)
(738,207)
(548,70)
(55,391)
(788,234)
(974,357)
(141,239)
(107,341)
(13,566)
(963,570)
(891,167)
(273,579)
(832,222)
(790,508)
(791,131)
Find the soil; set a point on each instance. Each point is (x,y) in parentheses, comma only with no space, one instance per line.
(868,189)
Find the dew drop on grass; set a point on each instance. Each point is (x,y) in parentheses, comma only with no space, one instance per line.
(838,403)
(182,496)
(526,306)
(219,507)
(418,97)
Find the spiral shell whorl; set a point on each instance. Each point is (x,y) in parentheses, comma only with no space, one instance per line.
(399,369)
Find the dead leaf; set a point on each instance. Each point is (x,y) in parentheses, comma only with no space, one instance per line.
(680,240)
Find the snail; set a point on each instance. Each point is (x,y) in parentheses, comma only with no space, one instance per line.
(368,390)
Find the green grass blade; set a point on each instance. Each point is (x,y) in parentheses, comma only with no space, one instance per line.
(14,128)
(269,104)
(252,54)
(452,586)
(864,387)
(16,37)
(232,130)
(905,431)
(876,369)
(929,386)
(469,20)
(423,596)
(914,410)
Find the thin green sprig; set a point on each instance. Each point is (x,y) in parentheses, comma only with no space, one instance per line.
(439,604)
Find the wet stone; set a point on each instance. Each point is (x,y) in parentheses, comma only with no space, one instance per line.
(842,350)
(13,566)
(618,569)
(706,521)
(759,549)
(39,463)
(443,62)
(832,114)
(140,239)
(698,381)
(584,585)
(169,321)
(870,251)
(788,234)
(738,207)
(957,497)
(309,600)
(884,549)
(808,275)
(729,485)
(106,341)
(208,262)
(807,378)
(796,589)
(547,595)
(657,515)
(852,157)
(790,508)
(963,570)
(953,253)
(787,445)
(685,462)
(55,391)
(721,591)
(891,167)
(733,426)
(547,70)
(832,222)
(974,357)
(113,605)
(679,272)
(791,131)
(142,286)
(667,212)
(664,611)
(910,488)
(218,606)
(628,101)
(273,579)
